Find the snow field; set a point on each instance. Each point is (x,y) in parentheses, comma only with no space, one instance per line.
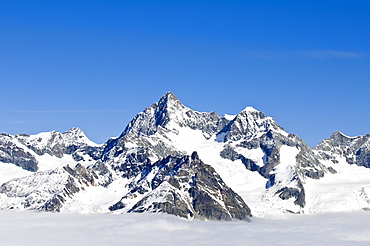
(347,190)
(96,198)
(249,185)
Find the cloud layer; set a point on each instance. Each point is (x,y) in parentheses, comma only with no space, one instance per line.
(37,228)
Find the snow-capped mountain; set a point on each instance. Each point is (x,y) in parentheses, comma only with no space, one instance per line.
(355,150)
(47,150)
(55,143)
(191,164)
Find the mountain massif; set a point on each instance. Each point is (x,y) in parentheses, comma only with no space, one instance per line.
(171,159)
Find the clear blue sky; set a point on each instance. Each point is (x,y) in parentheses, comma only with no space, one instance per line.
(96,64)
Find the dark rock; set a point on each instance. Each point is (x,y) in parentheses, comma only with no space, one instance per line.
(11,153)
(134,163)
(229,153)
(179,177)
(298,193)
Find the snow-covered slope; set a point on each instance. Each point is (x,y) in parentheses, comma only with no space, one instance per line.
(192,164)
(44,151)
(45,190)
(346,190)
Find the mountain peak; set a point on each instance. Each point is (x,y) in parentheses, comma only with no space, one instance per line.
(250,123)
(159,114)
(338,134)
(168,96)
(169,100)
(250,109)
(75,130)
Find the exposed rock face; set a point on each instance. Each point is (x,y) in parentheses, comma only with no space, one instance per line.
(248,124)
(160,120)
(298,193)
(23,150)
(10,152)
(46,191)
(186,187)
(253,130)
(135,162)
(170,109)
(72,142)
(356,150)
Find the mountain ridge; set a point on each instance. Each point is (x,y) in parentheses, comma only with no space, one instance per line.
(147,168)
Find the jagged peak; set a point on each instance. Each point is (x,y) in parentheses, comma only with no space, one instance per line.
(159,113)
(337,134)
(77,134)
(72,135)
(75,130)
(168,96)
(169,101)
(169,113)
(251,113)
(337,139)
(250,123)
(4,134)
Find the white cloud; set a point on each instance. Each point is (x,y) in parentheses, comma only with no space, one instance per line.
(310,54)
(318,54)
(63,111)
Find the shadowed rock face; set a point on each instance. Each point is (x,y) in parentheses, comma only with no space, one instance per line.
(186,187)
(11,153)
(297,193)
(23,150)
(207,186)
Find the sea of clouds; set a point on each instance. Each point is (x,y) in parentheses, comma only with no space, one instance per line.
(40,228)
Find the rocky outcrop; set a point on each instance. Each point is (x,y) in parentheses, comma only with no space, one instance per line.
(298,193)
(10,152)
(186,187)
(248,124)
(160,120)
(72,142)
(46,191)
(355,150)
(264,134)
(170,109)
(23,150)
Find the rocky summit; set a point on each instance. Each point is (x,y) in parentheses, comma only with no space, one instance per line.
(172,159)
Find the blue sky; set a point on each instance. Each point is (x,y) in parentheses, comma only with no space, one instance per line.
(96,64)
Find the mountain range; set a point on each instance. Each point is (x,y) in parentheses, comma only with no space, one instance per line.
(172,159)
